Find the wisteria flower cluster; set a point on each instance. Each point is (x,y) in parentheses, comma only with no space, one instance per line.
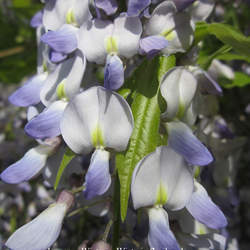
(119,83)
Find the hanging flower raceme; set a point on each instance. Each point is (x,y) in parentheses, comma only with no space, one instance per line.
(161,180)
(97,119)
(34,160)
(178,88)
(42,232)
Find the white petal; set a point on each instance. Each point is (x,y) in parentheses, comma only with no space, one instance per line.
(128,31)
(161,18)
(55,13)
(178,88)
(219,69)
(80,118)
(74,78)
(69,73)
(92,40)
(116,119)
(41,232)
(180,34)
(200,10)
(97,117)
(32,112)
(81,11)
(162,171)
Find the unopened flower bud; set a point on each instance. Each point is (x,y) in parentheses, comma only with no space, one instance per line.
(101,245)
(66,197)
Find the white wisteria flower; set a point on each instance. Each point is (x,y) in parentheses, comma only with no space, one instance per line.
(97,119)
(161,179)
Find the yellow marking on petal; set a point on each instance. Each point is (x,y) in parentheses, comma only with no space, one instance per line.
(70,17)
(97,137)
(60,91)
(181,110)
(197,172)
(111,44)
(196,3)
(162,195)
(45,68)
(201,229)
(168,34)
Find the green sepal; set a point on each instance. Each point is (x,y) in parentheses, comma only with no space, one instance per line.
(67,157)
(144,84)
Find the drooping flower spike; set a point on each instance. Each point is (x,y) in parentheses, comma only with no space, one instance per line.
(97,119)
(42,232)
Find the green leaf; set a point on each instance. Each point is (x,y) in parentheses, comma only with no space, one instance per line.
(233,56)
(205,60)
(146,111)
(225,33)
(240,80)
(67,157)
(21,4)
(124,92)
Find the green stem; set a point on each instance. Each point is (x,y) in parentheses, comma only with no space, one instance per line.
(78,189)
(81,209)
(116,214)
(107,230)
